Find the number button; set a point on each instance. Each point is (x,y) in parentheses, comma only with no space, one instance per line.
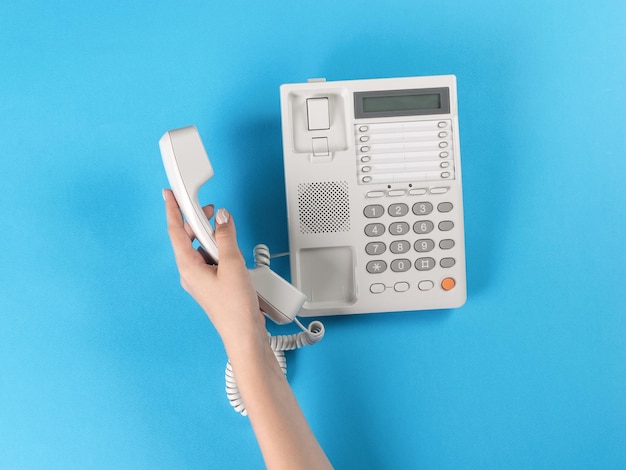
(374,230)
(375,248)
(400,265)
(423,226)
(399,247)
(373,211)
(399,228)
(376,267)
(422,208)
(398,210)
(425,245)
(424,264)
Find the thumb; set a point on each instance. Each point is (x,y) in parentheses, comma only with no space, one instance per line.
(226,236)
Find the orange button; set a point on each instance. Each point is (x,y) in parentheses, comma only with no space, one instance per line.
(448,283)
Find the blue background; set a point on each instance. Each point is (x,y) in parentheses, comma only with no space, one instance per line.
(106,363)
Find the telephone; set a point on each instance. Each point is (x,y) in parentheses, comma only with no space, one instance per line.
(188,167)
(374,198)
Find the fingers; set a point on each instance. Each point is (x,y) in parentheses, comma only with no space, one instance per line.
(226,237)
(182,236)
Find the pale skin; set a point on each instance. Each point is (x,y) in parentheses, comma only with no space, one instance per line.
(226,294)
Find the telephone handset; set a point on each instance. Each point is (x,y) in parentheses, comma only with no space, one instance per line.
(188,167)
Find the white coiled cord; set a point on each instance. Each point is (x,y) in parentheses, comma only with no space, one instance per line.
(279,344)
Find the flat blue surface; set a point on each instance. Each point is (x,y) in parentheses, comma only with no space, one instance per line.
(106,363)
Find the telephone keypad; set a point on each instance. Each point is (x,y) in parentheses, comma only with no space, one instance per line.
(397,252)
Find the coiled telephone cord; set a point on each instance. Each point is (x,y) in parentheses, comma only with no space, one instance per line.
(279,344)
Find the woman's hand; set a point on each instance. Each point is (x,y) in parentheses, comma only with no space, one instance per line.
(225,291)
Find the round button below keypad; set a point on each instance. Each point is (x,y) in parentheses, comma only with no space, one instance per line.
(377,288)
(401,286)
(425,285)
(423,226)
(448,283)
(376,267)
(400,265)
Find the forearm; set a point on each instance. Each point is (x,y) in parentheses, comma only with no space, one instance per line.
(284,436)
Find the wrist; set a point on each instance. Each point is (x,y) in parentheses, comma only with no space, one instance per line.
(247,347)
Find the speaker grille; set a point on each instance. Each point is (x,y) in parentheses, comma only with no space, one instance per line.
(324,207)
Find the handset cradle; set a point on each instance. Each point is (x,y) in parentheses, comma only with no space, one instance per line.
(188,167)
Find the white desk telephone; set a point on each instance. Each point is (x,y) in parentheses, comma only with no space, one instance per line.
(374,202)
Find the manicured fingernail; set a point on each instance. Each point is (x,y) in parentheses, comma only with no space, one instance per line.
(222,216)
